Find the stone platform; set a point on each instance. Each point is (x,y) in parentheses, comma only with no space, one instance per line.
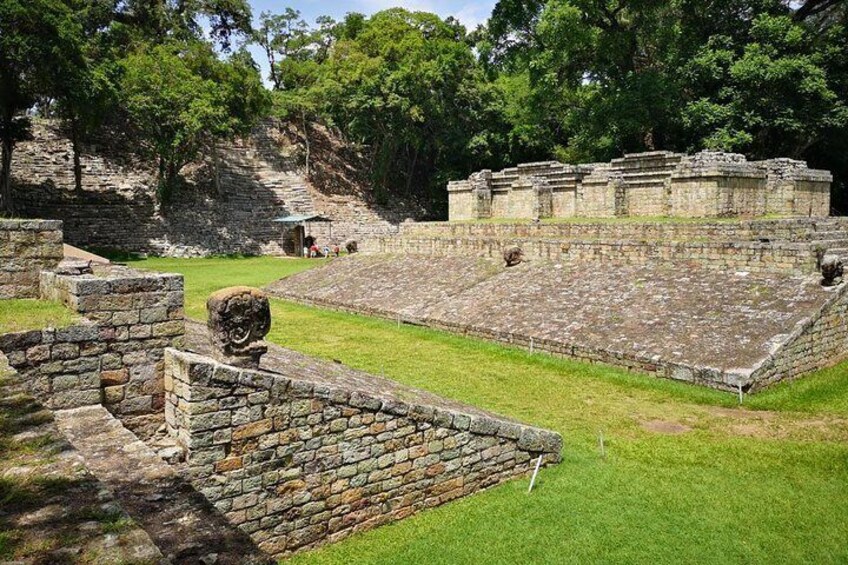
(721,329)
(788,245)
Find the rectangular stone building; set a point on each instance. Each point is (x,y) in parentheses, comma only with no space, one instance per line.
(653,184)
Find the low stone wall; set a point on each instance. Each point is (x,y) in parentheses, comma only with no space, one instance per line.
(755,257)
(821,341)
(320,452)
(137,315)
(788,230)
(59,366)
(26,248)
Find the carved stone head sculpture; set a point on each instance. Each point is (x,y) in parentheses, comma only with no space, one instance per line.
(239,318)
(513,256)
(831,270)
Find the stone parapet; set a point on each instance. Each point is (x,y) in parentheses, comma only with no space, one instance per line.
(319,452)
(793,258)
(26,248)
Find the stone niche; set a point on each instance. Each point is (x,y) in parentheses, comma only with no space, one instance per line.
(313,452)
(658,183)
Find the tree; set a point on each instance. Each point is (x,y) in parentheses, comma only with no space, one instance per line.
(769,96)
(39,49)
(407,87)
(281,36)
(181,97)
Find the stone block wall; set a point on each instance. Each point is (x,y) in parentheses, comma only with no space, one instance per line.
(658,183)
(819,342)
(795,258)
(137,315)
(259,180)
(297,462)
(26,248)
(59,366)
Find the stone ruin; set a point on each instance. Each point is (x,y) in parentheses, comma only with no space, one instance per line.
(659,183)
(214,459)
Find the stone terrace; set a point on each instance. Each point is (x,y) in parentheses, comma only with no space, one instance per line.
(689,323)
(792,246)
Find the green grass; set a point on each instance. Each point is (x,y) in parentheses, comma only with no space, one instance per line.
(739,486)
(205,276)
(24,315)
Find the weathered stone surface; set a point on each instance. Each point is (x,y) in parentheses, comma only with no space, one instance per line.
(239,317)
(185,527)
(657,183)
(701,325)
(347,450)
(81,510)
(260,179)
(26,248)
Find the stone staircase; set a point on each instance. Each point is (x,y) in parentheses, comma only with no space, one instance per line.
(180,522)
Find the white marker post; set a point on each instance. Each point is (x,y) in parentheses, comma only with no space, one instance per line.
(739,386)
(535,472)
(532,346)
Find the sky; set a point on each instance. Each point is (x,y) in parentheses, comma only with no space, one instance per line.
(469,12)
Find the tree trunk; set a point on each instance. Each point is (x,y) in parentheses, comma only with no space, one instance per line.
(216,170)
(411,172)
(7,204)
(76,151)
(306,139)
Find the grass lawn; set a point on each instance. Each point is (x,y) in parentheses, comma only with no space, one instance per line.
(24,315)
(687,476)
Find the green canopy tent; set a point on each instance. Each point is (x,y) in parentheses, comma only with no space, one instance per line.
(300,222)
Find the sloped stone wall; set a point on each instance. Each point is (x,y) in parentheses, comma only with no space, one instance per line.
(298,461)
(819,342)
(26,248)
(117,209)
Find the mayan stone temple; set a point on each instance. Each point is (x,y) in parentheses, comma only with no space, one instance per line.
(659,183)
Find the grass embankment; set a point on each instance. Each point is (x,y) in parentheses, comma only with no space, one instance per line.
(25,315)
(686,477)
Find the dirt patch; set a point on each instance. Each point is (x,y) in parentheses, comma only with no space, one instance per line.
(665,427)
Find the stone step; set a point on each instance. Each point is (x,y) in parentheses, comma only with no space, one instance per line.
(181,522)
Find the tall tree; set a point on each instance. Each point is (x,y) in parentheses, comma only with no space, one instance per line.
(40,47)
(181,97)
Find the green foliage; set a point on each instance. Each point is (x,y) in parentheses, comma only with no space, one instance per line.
(40,52)
(762,77)
(180,96)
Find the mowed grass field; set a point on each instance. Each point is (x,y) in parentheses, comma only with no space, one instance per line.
(687,476)
(25,315)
